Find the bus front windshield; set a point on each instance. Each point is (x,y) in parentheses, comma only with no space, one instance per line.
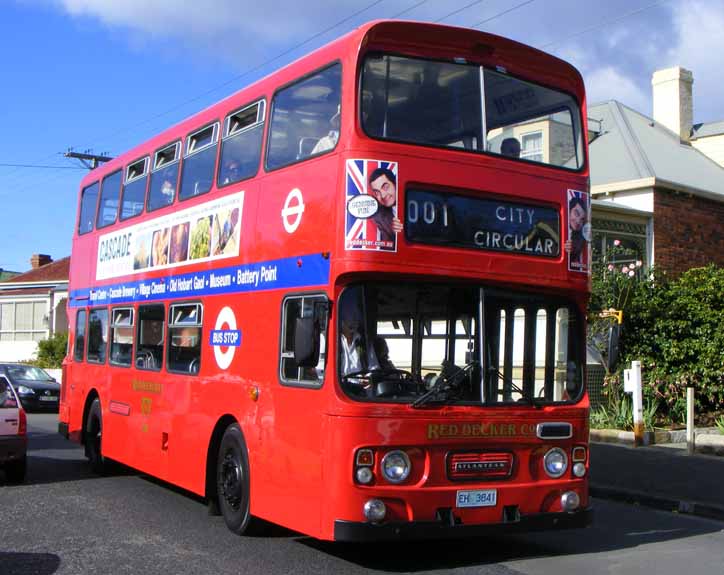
(423,344)
(467,107)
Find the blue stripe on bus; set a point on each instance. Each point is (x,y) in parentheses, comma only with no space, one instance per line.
(285,273)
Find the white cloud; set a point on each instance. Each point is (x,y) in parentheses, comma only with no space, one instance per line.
(230,29)
(699,48)
(609,83)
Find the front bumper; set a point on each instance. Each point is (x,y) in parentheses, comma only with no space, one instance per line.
(34,403)
(13,448)
(396,531)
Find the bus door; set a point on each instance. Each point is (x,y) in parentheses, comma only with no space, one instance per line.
(298,405)
(148,420)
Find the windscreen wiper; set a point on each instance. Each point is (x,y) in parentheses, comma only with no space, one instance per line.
(443,386)
(514,386)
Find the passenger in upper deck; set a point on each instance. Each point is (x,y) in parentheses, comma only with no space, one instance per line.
(330,140)
(510,147)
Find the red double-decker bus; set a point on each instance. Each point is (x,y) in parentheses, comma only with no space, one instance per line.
(349,299)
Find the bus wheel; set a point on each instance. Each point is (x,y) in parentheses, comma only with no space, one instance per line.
(232,480)
(93,438)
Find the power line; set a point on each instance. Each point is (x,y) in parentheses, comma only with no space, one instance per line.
(503,13)
(251,70)
(40,166)
(604,23)
(458,10)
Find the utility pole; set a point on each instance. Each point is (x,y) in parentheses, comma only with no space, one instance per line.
(87,157)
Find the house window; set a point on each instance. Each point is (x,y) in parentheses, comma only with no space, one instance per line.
(23,321)
(620,243)
(532,146)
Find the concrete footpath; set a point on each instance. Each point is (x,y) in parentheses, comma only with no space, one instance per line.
(665,477)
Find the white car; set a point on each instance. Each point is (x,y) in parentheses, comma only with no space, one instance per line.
(13,433)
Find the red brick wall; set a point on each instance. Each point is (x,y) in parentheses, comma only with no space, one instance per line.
(688,231)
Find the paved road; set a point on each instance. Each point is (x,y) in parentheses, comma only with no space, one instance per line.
(64,520)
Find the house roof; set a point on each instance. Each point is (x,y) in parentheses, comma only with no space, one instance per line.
(6,275)
(57,271)
(25,291)
(632,147)
(708,129)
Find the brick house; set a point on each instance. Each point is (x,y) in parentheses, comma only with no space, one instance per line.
(32,307)
(654,188)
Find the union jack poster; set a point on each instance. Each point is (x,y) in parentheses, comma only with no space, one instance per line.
(371,206)
(578,245)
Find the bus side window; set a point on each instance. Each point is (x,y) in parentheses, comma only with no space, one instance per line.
(305,118)
(149,337)
(293,308)
(122,336)
(184,338)
(241,144)
(88,201)
(79,346)
(162,190)
(197,172)
(134,190)
(110,194)
(97,335)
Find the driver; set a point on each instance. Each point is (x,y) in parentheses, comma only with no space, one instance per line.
(354,355)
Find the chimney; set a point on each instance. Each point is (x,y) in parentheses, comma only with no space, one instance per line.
(673,104)
(38,260)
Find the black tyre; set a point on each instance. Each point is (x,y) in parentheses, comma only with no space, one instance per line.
(15,470)
(232,481)
(93,438)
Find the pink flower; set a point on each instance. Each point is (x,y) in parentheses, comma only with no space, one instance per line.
(630,273)
(624,269)
(639,263)
(616,242)
(610,267)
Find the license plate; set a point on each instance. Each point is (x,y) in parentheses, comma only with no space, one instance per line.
(477,498)
(49,398)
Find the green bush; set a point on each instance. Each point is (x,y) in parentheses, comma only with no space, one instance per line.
(51,351)
(673,326)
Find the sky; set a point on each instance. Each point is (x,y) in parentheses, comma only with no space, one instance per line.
(105,75)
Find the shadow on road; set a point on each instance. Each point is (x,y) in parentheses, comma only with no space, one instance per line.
(616,526)
(25,563)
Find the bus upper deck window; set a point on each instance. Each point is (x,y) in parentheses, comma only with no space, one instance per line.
(241,144)
(134,190)
(108,206)
(164,177)
(197,173)
(305,118)
(88,201)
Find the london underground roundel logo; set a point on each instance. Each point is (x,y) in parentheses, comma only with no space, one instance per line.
(225,338)
(293,210)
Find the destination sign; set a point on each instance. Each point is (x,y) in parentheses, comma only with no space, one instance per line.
(484,224)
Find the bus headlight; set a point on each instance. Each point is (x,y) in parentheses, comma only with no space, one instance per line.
(555,462)
(579,469)
(396,466)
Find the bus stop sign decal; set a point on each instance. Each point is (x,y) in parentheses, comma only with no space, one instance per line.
(227,339)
